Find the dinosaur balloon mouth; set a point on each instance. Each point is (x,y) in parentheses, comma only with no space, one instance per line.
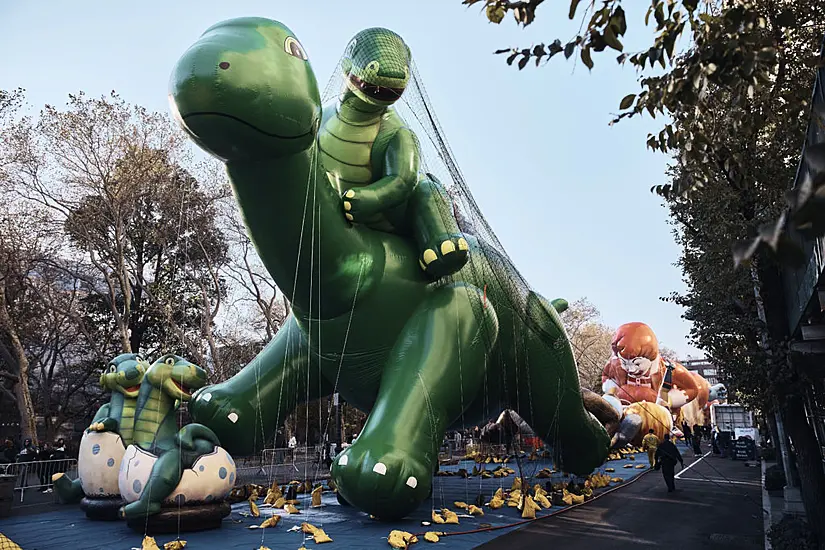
(381,93)
(131,389)
(183,389)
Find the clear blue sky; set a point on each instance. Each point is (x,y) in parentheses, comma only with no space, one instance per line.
(570,203)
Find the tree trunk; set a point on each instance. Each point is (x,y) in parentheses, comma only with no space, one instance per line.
(22,394)
(809,463)
(775,439)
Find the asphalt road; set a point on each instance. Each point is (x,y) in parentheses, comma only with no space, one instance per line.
(717,504)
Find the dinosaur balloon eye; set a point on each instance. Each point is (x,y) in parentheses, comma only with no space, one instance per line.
(294,48)
(170,361)
(112,368)
(372,66)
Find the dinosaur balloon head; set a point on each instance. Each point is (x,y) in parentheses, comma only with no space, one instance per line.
(176,377)
(376,66)
(124,373)
(636,347)
(246,91)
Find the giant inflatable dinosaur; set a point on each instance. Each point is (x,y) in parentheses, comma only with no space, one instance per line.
(367,320)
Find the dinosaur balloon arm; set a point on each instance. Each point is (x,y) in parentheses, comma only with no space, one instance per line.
(102,412)
(560,305)
(401,161)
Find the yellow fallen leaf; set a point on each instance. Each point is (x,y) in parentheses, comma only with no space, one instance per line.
(539,490)
(279,502)
(475,510)
(431,536)
(174,545)
(320,537)
(516,484)
(316,496)
(149,544)
(496,503)
(271,521)
(543,501)
(610,469)
(291,509)
(460,505)
(499,494)
(308,528)
(437,518)
(253,508)
(401,539)
(514,500)
(640,466)
(577,499)
(449,516)
(530,507)
(567,499)
(273,495)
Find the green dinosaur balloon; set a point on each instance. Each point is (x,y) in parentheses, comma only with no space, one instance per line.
(169,380)
(372,158)
(122,376)
(420,357)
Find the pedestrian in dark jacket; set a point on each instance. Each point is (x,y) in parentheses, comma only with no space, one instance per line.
(45,467)
(697,440)
(667,455)
(688,434)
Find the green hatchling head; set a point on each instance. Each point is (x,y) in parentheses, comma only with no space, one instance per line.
(124,374)
(376,66)
(177,377)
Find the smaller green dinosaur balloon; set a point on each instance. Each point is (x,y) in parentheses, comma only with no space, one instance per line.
(122,376)
(169,381)
(372,158)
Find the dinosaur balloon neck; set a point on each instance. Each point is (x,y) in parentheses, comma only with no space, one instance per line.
(246,93)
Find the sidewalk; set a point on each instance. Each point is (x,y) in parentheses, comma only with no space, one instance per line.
(717,504)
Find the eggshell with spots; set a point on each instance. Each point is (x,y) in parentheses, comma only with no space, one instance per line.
(98,463)
(211,477)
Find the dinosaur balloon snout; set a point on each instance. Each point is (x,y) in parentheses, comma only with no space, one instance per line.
(245,90)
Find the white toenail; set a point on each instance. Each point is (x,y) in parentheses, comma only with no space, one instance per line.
(206,397)
(233,417)
(412,482)
(380,468)
(343,460)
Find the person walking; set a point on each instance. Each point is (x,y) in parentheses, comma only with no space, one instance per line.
(667,455)
(697,440)
(650,443)
(688,434)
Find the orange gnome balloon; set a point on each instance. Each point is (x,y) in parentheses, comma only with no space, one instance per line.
(637,372)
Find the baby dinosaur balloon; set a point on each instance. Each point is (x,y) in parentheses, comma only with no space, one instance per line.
(372,158)
(366,320)
(105,440)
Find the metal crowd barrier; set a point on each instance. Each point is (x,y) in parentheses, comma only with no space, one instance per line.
(281,464)
(38,474)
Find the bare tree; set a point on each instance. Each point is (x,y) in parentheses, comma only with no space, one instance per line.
(590,339)
(138,224)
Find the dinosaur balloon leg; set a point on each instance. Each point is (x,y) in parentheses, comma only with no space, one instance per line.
(242,410)
(419,398)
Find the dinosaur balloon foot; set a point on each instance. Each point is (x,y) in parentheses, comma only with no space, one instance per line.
(445,256)
(385,482)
